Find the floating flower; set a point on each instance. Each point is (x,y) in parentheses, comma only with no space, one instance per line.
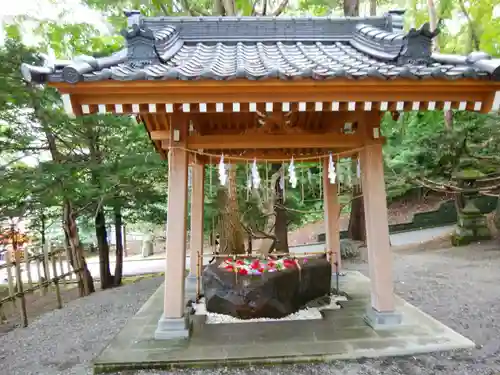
(243,271)
(255,264)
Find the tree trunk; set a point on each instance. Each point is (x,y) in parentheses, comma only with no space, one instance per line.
(232,239)
(44,241)
(373,7)
(356,229)
(497,214)
(119,246)
(433,20)
(103,246)
(351,8)
(77,259)
(281,222)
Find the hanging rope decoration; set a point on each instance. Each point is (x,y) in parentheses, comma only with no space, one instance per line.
(267,183)
(249,182)
(302,184)
(321,171)
(332,174)
(348,174)
(273,160)
(222,171)
(282,181)
(255,175)
(291,174)
(210,176)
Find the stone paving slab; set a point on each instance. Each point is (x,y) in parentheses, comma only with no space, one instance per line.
(341,334)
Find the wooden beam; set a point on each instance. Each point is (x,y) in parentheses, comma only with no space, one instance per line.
(160,135)
(244,91)
(282,141)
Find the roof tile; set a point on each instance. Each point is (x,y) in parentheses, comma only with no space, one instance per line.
(260,48)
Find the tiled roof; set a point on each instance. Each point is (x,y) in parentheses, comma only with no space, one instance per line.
(189,48)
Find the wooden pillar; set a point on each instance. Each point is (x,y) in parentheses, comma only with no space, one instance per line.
(197,203)
(331,212)
(377,238)
(172,324)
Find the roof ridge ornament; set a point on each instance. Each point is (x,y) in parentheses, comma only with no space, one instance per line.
(417,45)
(141,47)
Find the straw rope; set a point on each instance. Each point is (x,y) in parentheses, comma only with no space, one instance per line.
(242,158)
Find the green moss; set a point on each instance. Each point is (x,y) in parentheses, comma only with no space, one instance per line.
(134,279)
(468,174)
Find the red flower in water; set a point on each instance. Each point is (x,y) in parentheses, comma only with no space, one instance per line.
(261,270)
(288,263)
(243,271)
(255,264)
(239,262)
(271,264)
(229,267)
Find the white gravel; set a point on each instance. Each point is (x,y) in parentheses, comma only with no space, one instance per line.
(308,313)
(459,287)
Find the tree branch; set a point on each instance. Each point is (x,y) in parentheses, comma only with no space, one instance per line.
(281,8)
(164,9)
(473,33)
(254,12)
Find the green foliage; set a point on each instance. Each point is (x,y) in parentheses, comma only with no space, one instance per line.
(93,160)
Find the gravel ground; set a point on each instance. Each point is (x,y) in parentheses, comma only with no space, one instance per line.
(66,341)
(457,286)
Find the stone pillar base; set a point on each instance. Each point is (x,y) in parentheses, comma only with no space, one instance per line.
(169,329)
(383,320)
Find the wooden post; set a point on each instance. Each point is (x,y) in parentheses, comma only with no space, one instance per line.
(27,266)
(61,266)
(172,323)
(197,203)
(377,237)
(56,280)
(46,251)
(10,277)
(41,290)
(331,211)
(19,282)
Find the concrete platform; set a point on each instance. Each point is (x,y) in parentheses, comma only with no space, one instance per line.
(342,334)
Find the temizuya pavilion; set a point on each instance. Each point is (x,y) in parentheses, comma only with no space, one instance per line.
(205,83)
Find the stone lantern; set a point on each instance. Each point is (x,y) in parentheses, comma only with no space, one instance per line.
(471,223)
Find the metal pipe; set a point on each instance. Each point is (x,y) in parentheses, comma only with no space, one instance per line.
(337,277)
(198,275)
